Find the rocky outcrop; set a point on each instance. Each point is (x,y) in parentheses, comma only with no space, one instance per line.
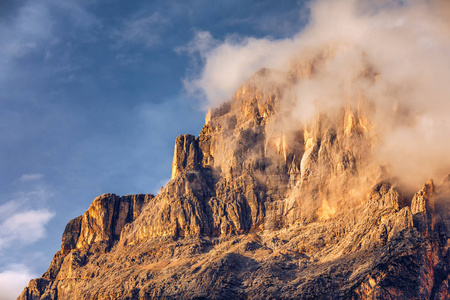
(90,234)
(422,206)
(103,222)
(256,210)
(186,156)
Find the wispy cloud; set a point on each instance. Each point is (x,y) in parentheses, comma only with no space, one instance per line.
(24,35)
(34,32)
(13,279)
(141,30)
(129,59)
(23,221)
(24,216)
(202,44)
(31,177)
(24,227)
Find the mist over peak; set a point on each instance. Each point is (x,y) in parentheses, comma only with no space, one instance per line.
(389,56)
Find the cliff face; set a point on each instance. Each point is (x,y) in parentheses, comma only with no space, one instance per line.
(256,209)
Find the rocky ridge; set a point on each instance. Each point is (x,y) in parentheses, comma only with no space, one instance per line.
(256,209)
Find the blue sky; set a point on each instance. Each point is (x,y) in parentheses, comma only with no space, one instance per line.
(91,100)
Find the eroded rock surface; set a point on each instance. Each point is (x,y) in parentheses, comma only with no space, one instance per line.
(255,211)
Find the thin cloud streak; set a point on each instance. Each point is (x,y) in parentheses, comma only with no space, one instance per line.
(141,30)
(31,177)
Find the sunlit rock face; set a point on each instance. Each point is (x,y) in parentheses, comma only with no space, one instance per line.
(257,208)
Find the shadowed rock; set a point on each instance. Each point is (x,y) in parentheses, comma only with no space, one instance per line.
(258,211)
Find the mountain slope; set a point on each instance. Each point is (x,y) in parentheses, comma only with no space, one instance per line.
(262,206)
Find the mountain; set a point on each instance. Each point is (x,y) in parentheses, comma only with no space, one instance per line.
(265,205)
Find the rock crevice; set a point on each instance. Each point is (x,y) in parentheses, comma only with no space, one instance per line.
(256,209)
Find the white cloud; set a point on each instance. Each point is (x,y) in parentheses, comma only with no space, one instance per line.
(31,177)
(8,209)
(405,43)
(233,61)
(13,279)
(23,217)
(202,43)
(24,227)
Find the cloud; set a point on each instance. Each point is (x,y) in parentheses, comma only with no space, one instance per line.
(24,34)
(403,45)
(13,279)
(233,61)
(30,192)
(32,33)
(23,227)
(141,30)
(31,177)
(202,43)
(24,216)
(76,13)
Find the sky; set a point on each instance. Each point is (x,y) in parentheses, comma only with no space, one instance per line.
(92,97)
(94,93)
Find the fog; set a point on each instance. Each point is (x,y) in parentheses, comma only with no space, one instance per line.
(392,54)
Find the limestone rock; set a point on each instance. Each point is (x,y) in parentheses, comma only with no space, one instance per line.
(186,156)
(257,210)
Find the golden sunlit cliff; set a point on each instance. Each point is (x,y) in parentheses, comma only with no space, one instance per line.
(265,205)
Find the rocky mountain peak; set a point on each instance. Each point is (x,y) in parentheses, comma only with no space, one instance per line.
(262,205)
